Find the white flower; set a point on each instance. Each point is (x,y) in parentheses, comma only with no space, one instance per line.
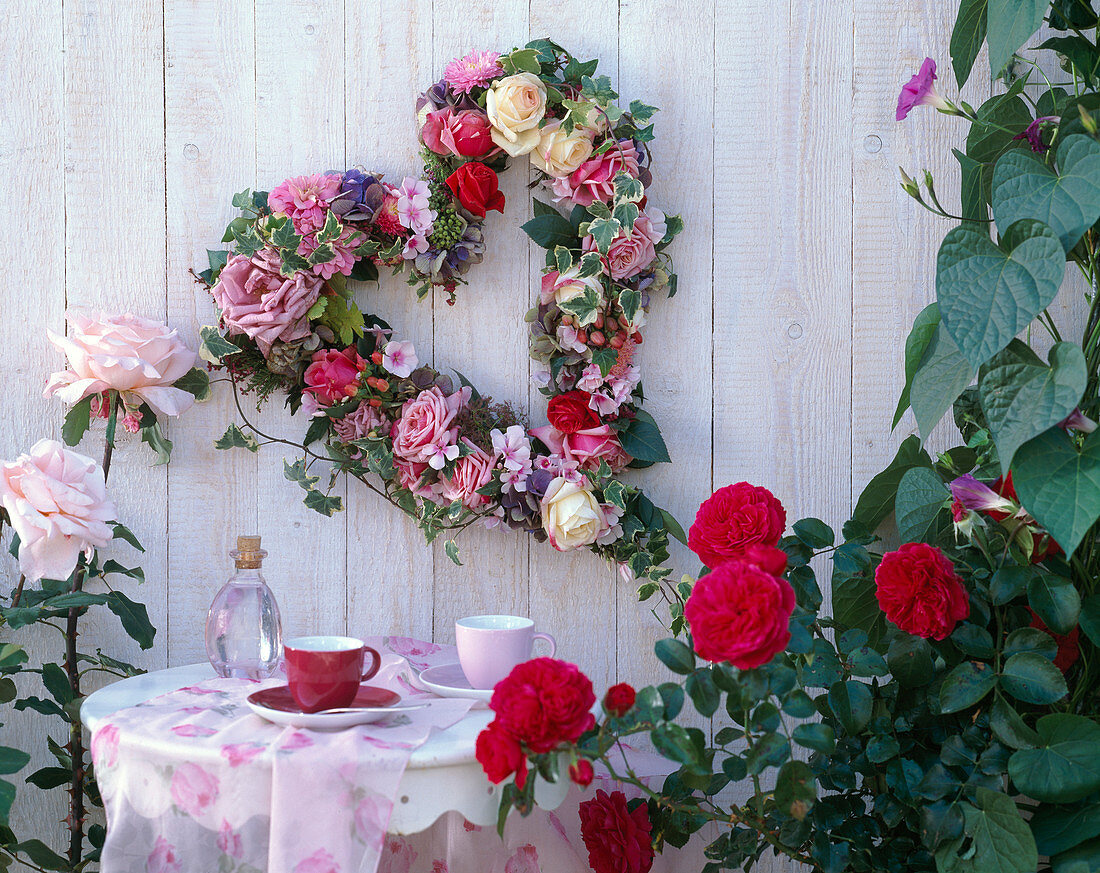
(400,358)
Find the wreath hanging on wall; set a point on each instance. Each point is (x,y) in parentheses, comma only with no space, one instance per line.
(427,442)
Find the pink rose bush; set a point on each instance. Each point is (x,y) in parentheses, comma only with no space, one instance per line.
(446,455)
(56,501)
(139,358)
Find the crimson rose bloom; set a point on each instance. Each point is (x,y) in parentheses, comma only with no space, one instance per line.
(543,703)
(569,412)
(919,590)
(499,755)
(582,773)
(734,518)
(741,614)
(619,699)
(618,840)
(477,188)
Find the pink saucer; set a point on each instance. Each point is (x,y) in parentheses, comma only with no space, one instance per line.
(277,705)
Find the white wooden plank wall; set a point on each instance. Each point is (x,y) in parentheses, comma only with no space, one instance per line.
(127,126)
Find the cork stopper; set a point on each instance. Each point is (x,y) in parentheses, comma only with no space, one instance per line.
(248,554)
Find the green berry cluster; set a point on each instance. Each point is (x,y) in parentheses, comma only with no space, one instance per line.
(447,228)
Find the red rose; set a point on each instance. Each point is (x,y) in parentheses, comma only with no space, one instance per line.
(543,703)
(1069,647)
(570,412)
(741,614)
(767,558)
(582,773)
(919,590)
(477,188)
(499,755)
(619,699)
(618,840)
(734,518)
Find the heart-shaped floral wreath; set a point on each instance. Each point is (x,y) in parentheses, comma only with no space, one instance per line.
(441,452)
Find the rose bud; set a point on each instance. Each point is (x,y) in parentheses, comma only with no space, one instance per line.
(619,699)
(582,773)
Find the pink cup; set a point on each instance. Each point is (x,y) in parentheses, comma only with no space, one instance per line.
(489,646)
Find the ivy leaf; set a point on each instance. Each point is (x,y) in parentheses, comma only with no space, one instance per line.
(1022,397)
(346,321)
(988,292)
(77,421)
(603,231)
(605,359)
(134,618)
(235,438)
(196,382)
(630,299)
(640,112)
(320,502)
(213,347)
(451,548)
(551,229)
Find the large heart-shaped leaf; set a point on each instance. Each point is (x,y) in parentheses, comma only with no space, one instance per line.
(1066,767)
(1060,485)
(996,838)
(967,37)
(942,376)
(1022,397)
(916,344)
(921,502)
(987,292)
(1010,23)
(1068,201)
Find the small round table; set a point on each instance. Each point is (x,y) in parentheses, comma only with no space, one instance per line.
(442,775)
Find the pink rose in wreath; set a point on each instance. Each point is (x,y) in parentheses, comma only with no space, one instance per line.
(471,473)
(305,199)
(259,302)
(163,858)
(409,476)
(594,444)
(629,255)
(466,134)
(193,790)
(425,424)
(333,376)
(595,178)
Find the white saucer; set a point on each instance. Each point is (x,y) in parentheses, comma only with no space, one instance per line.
(448,680)
(370,705)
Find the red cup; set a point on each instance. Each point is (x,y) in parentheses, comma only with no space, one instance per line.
(325,672)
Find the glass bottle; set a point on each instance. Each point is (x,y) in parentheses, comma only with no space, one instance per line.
(243,629)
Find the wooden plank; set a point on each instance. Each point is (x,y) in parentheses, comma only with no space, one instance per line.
(32,72)
(560,581)
(677,335)
(390,567)
(300,76)
(483,334)
(210,152)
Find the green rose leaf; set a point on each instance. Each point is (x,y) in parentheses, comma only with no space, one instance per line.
(1059,484)
(1022,397)
(1065,766)
(642,439)
(1056,601)
(134,618)
(851,704)
(943,374)
(1010,582)
(1010,23)
(77,421)
(990,292)
(1067,201)
(703,693)
(795,789)
(965,685)
(1033,679)
(1009,727)
(921,502)
(818,737)
(910,660)
(12,760)
(995,838)
(675,655)
(1090,618)
(1031,639)
(814,533)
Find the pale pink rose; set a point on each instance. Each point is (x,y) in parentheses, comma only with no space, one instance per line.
(105,746)
(628,256)
(359,423)
(590,446)
(136,356)
(240,753)
(305,199)
(397,856)
(470,473)
(333,376)
(163,858)
(192,730)
(255,300)
(425,424)
(57,502)
(229,841)
(371,817)
(595,178)
(343,246)
(319,862)
(193,789)
(562,287)
(525,860)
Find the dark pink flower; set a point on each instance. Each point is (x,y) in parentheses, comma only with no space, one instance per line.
(920,91)
(1033,133)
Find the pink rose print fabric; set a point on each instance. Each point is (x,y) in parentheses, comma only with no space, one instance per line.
(194,782)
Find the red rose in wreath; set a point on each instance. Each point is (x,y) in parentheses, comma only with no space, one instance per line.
(570,412)
(617,838)
(477,188)
(734,518)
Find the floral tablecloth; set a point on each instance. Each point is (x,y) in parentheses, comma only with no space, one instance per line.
(194,782)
